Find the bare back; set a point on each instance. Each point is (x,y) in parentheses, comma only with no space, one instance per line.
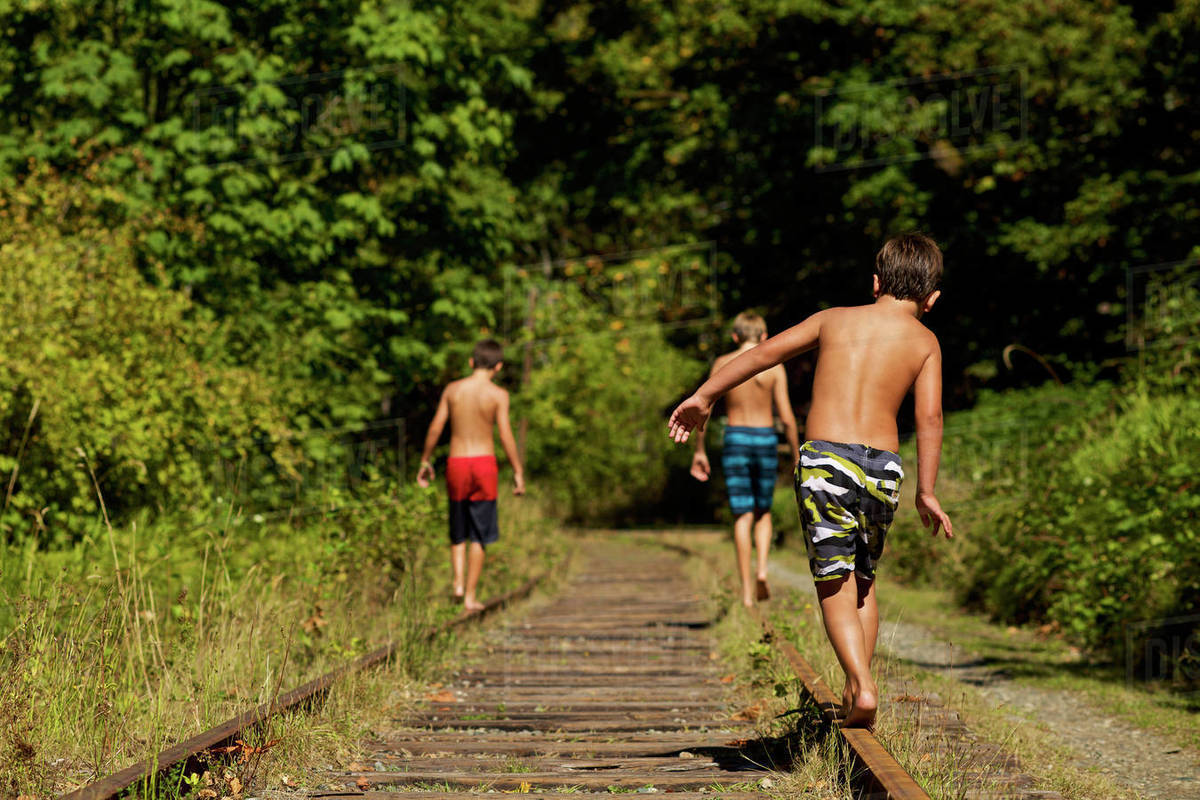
(751,403)
(868,359)
(474,405)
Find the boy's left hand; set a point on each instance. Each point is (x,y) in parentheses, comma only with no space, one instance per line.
(518,484)
(691,413)
(932,515)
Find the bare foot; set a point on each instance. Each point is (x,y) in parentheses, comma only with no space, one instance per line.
(862,710)
(847,699)
(763,591)
(459,591)
(472,605)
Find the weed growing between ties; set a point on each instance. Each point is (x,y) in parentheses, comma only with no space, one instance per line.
(139,638)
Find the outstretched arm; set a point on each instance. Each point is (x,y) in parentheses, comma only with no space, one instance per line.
(425,473)
(701,468)
(694,411)
(783,407)
(510,444)
(928,396)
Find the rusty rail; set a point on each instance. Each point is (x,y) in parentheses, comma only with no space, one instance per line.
(308,695)
(872,767)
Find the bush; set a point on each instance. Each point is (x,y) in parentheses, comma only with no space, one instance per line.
(599,395)
(106,376)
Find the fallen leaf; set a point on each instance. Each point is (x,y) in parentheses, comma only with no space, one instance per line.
(908,698)
(363,784)
(445,696)
(206,794)
(524,787)
(235,785)
(686,754)
(354,767)
(726,679)
(750,713)
(315,622)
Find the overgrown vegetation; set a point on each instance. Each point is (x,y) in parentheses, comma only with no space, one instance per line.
(1075,502)
(139,637)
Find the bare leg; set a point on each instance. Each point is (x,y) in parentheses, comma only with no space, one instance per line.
(458,563)
(741,540)
(839,609)
(474,568)
(868,617)
(763,533)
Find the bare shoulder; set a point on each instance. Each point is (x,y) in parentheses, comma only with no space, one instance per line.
(928,339)
(723,360)
(453,388)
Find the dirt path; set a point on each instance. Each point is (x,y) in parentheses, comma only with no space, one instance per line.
(1129,755)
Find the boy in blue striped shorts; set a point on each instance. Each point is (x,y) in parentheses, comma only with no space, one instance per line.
(750,456)
(848,479)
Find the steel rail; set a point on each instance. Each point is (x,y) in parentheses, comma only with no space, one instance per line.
(116,784)
(876,771)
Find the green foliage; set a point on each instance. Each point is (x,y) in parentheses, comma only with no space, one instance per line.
(603,382)
(1075,510)
(105,374)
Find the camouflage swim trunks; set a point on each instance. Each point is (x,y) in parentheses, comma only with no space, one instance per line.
(847,494)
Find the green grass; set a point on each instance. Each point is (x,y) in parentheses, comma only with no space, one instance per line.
(140,637)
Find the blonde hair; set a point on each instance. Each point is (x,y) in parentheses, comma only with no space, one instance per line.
(749,327)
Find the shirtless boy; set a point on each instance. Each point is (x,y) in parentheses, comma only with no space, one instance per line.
(473,405)
(848,479)
(750,456)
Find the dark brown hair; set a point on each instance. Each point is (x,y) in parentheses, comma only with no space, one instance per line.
(487,354)
(909,267)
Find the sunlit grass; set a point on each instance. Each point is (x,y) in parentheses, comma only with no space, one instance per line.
(143,637)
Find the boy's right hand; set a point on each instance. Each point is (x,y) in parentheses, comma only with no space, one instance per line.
(700,467)
(932,515)
(425,475)
(691,413)
(518,484)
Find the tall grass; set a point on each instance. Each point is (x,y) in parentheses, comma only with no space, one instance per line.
(143,636)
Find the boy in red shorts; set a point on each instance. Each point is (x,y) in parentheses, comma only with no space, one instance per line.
(473,405)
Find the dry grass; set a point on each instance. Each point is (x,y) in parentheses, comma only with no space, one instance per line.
(109,664)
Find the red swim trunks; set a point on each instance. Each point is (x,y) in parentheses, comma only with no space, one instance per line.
(471,484)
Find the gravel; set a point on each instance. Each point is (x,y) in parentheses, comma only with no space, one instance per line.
(1131,756)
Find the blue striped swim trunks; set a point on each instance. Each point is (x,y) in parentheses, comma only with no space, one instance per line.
(750,459)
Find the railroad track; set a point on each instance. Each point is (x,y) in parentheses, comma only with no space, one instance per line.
(614,686)
(138,778)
